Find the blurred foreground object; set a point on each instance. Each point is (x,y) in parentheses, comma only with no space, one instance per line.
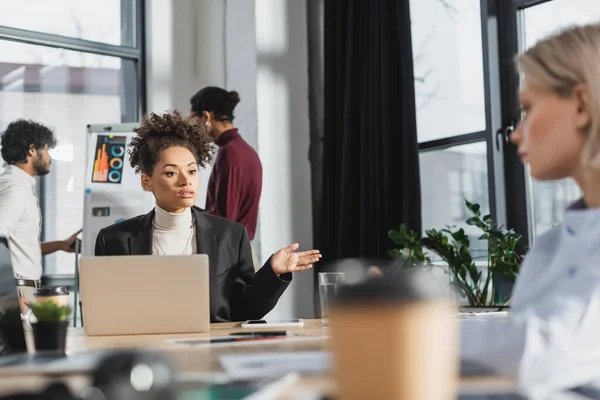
(395,338)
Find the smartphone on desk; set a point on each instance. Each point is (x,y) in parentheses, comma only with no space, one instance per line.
(262,324)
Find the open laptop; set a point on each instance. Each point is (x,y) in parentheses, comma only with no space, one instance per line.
(135,295)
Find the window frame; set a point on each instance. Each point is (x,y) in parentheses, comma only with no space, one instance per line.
(491,96)
(508,189)
(136,53)
(518,198)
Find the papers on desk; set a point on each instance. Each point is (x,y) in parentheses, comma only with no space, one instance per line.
(228,341)
(255,366)
(249,389)
(275,389)
(512,395)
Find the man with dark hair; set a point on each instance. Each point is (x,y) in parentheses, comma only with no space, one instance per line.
(235,183)
(24,148)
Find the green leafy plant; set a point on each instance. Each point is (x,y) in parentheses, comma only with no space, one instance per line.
(49,311)
(452,246)
(409,246)
(502,244)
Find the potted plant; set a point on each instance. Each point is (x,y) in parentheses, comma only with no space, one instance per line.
(410,248)
(452,246)
(11,329)
(504,260)
(50,329)
(411,252)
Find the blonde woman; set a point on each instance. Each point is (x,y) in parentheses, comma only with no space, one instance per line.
(551,341)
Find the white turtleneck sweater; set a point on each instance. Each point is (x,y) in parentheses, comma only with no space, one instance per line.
(173,234)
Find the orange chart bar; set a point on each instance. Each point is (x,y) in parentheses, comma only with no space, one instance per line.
(101,166)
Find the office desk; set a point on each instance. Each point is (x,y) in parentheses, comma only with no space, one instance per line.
(192,361)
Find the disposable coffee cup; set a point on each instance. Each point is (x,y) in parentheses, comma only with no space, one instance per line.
(58,294)
(394,339)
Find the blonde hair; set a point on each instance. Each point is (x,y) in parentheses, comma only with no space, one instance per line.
(562,61)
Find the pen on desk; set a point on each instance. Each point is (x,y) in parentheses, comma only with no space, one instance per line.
(222,340)
(261,334)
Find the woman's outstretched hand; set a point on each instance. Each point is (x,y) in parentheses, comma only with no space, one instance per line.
(285,260)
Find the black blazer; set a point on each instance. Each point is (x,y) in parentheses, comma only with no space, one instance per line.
(237,293)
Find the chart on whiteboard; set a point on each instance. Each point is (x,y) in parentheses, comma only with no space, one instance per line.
(109,159)
(113,192)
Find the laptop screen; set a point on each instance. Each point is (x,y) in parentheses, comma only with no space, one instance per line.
(12,336)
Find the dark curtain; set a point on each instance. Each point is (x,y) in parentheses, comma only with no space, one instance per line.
(371,178)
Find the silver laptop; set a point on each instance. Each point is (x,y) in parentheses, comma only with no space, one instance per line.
(135,295)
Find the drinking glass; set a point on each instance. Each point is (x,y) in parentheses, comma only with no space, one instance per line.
(329,283)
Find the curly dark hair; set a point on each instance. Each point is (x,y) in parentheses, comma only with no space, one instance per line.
(160,132)
(20,136)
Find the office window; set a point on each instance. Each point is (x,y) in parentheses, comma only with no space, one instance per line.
(466,95)
(448,177)
(453,126)
(107,21)
(548,200)
(456,203)
(66,86)
(466,184)
(448,68)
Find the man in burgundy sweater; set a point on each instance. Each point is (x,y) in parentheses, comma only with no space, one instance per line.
(235,183)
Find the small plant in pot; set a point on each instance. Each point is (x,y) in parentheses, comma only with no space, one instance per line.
(504,260)
(50,330)
(452,245)
(11,331)
(410,248)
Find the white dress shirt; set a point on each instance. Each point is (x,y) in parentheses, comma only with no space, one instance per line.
(173,234)
(551,339)
(20,221)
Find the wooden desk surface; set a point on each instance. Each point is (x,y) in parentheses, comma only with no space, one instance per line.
(78,341)
(189,360)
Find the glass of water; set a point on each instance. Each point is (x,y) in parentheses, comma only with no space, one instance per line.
(329,283)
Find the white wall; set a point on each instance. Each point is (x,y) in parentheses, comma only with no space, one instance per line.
(240,71)
(283,140)
(185,52)
(159,58)
(258,49)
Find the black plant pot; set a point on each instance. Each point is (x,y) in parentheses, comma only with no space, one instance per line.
(50,336)
(504,288)
(13,336)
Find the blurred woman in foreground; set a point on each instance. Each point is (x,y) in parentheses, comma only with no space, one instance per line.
(550,342)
